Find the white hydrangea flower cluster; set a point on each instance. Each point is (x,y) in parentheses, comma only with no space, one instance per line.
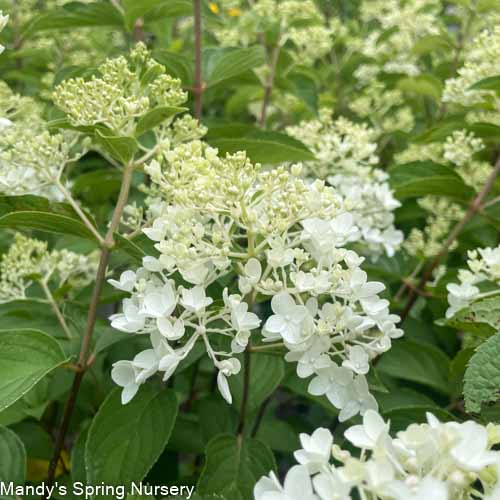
(430,461)
(382,106)
(299,22)
(124,91)
(3,22)
(484,267)
(400,24)
(29,261)
(284,238)
(481,61)
(347,158)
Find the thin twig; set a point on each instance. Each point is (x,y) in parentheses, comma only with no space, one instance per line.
(266,347)
(79,211)
(198,82)
(260,416)
(270,84)
(107,247)
(56,309)
(474,208)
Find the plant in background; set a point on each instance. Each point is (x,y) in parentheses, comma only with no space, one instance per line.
(314,247)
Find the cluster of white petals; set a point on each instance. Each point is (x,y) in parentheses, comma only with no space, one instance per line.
(484,269)
(346,156)
(481,61)
(299,22)
(225,222)
(430,461)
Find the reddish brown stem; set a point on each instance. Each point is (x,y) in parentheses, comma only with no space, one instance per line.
(198,82)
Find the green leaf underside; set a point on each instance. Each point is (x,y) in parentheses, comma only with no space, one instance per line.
(12,459)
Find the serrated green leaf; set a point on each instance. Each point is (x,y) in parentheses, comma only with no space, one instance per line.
(26,356)
(481,317)
(122,149)
(416,362)
(233,466)
(266,373)
(156,116)
(482,376)
(12,460)
(124,441)
(423,178)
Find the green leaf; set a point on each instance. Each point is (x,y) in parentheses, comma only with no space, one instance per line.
(156,116)
(424,85)
(421,363)
(278,434)
(176,65)
(170,8)
(133,10)
(490,83)
(75,15)
(431,43)
(482,376)
(125,441)
(44,221)
(26,356)
(122,149)
(264,147)
(224,63)
(12,460)
(78,472)
(266,373)
(233,466)
(439,132)
(481,317)
(222,419)
(423,178)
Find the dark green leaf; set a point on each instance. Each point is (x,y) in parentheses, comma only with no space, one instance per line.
(233,466)
(266,373)
(423,178)
(12,460)
(125,441)
(490,83)
(421,363)
(26,356)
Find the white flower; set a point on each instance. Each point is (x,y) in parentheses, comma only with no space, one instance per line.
(428,489)
(359,400)
(367,435)
(171,331)
(331,486)
(316,450)
(124,375)
(297,486)
(242,320)
(363,289)
(227,368)
(460,296)
(126,283)
(471,452)
(253,272)
(195,299)
(131,374)
(160,302)
(335,382)
(131,320)
(288,319)
(357,360)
